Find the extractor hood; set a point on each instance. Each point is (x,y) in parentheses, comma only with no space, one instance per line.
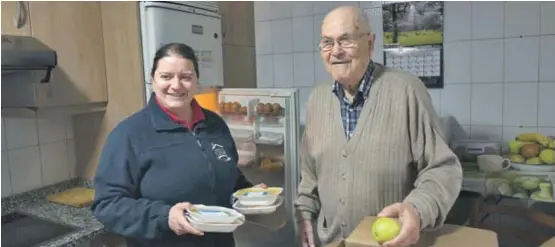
(23,55)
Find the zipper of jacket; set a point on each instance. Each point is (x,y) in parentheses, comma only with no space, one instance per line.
(210,168)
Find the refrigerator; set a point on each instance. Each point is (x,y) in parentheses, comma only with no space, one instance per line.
(197,24)
(265,127)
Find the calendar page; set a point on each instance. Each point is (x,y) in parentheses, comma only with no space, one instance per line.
(424,62)
(413,39)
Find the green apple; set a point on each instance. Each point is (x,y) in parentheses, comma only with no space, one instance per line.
(385,229)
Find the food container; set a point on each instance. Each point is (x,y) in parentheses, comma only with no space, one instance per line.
(257,196)
(250,210)
(242,135)
(246,157)
(211,227)
(213,214)
(270,138)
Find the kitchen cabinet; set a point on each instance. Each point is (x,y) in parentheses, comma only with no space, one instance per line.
(74,31)
(15,18)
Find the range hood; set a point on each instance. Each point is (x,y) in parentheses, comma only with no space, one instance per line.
(25,55)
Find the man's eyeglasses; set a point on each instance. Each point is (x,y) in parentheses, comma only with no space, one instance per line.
(344,42)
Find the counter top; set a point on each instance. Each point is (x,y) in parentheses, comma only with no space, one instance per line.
(34,203)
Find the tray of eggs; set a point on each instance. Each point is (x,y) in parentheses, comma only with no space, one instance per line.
(269,109)
(233,108)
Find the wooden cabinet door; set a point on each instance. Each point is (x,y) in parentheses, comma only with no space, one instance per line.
(15,18)
(74,31)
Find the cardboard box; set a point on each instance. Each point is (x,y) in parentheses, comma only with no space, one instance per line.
(447,236)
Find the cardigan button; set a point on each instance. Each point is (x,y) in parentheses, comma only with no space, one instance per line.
(344,154)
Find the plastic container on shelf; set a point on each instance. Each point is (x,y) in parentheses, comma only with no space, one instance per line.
(245,146)
(246,158)
(271,138)
(242,135)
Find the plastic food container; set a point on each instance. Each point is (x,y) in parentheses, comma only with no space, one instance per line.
(270,138)
(245,157)
(257,196)
(250,210)
(221,228)
(242,135)
(214,214)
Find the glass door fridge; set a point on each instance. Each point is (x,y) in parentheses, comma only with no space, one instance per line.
(265,126)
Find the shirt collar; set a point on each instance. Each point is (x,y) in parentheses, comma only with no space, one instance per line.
(363,88)
(165,119)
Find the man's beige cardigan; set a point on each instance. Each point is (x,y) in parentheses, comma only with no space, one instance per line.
(397,153)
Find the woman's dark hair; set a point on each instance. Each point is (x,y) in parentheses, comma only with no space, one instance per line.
(178,49)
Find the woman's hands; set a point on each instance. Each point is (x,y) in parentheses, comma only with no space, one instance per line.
(262,185)
(177,221)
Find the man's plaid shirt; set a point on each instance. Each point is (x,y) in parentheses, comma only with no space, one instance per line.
(350,112)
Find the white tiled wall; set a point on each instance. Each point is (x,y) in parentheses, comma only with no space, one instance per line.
(36,151)
(499,60)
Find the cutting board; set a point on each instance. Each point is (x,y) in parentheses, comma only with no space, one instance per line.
(75,197)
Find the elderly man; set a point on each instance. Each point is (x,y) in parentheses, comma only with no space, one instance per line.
(372,143)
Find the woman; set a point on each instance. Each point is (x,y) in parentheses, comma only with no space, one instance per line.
(162,159)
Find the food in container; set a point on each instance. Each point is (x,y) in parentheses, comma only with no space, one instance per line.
(271,138)
(257,196)
(213,214)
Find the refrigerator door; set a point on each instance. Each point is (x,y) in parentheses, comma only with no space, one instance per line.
(265,126)
(166,22)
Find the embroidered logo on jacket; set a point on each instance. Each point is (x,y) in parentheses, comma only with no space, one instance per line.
(219,152)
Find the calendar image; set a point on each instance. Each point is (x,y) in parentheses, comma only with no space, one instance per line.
(413,23)
(413,39)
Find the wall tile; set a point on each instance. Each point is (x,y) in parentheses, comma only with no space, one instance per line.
(54,160)
(283,70)
(487,20)
(455,101)
(25,169)
(282,36)
(21,130)
(547,131)
(281,9)
(51,129)
(520,104)
(487,60)
(303,69)
(303,38)
(457,57)
(262,10)
(265,70)
(522,18)
(487,104)
(263,37)
(317,22)
(69,127)
(546,103)
(321,75)
(547,58)
(302,8)
(547,17)
(493,133)
(6,181)
(71,160)
(457,22)
(435,96)
(518,50)
(4,144)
